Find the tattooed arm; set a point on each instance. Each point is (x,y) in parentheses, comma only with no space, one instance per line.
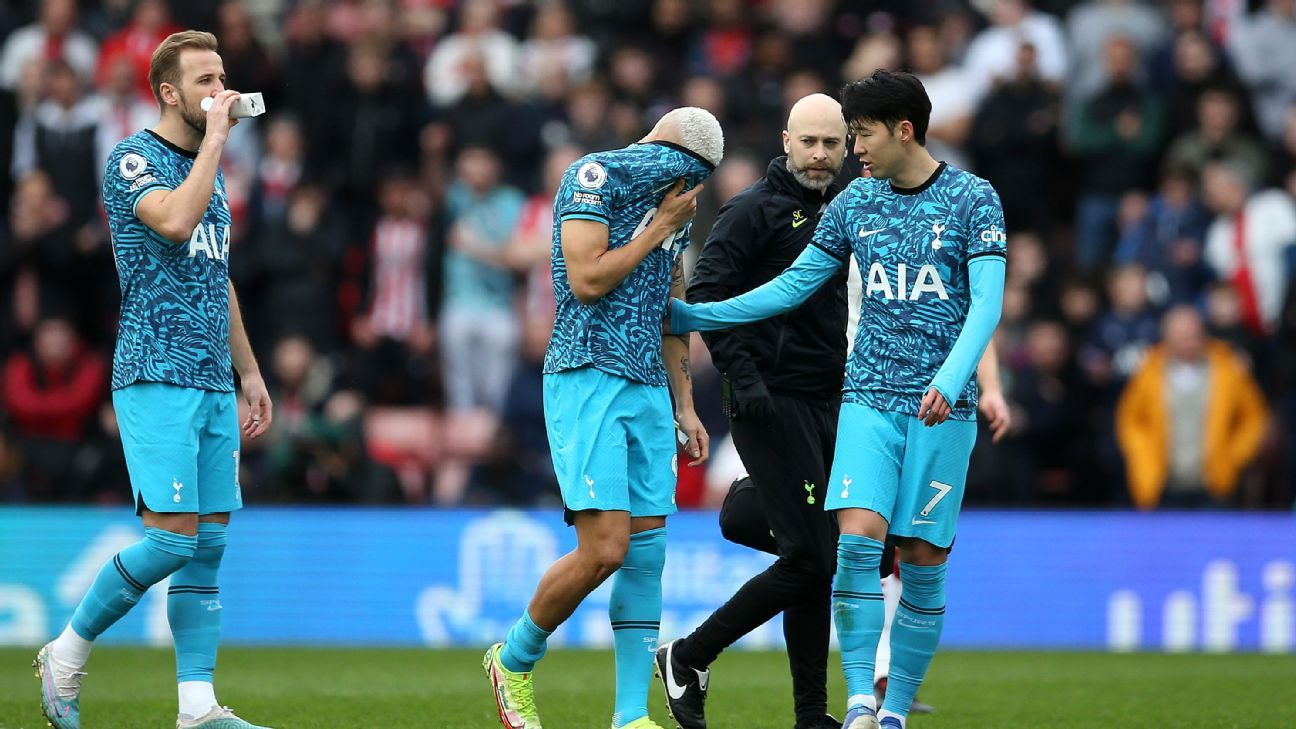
(675,355)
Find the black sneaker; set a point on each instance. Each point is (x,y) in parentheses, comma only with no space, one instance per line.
(686,689)
(820,722)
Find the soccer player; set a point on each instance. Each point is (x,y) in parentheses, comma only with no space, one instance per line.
(173,386)
(930,241)
(993,406)
(621,220)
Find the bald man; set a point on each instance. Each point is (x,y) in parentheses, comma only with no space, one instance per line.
(782,379)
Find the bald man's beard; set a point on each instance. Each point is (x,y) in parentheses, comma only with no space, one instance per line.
(810,182)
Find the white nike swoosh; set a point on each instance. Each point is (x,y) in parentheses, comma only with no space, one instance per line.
(674,690)
(867,233)
(916,522)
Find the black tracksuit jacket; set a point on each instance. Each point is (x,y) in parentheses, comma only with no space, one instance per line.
(758,233)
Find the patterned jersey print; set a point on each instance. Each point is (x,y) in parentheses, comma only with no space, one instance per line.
(621,333)
(913,249)
(174,324)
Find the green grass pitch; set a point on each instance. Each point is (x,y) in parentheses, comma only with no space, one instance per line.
(302,688)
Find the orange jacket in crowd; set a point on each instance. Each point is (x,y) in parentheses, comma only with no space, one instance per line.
(1236,417)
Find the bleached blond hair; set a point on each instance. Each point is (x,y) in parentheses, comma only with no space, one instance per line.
(695,129)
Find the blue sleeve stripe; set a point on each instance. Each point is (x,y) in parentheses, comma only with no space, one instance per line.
(596,217)
(821,247)
(1001,254)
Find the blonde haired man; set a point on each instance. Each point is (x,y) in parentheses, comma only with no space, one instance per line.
(180,337)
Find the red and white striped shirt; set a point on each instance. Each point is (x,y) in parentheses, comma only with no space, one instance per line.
(399,278)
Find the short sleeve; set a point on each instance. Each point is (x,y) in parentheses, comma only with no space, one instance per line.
(988,236)
(130,175)
(831,234)
(585,193)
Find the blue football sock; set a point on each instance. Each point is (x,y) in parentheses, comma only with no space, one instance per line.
(124,579)
(194,609)
(635,612)
(858,612)
(915,632)
(524,645)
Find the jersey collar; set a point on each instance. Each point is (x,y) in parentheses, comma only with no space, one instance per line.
(167,143)
(915,190)
(685,150)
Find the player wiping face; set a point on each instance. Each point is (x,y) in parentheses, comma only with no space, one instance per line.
(620,223)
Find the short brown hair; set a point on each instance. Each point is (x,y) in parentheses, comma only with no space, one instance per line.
(165,66)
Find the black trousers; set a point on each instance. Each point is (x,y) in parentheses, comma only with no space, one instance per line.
(780,509)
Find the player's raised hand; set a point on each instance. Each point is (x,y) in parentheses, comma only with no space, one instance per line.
(698,445)
(260,410)
(218,116)
(934,410)
(677,207)
(997,413)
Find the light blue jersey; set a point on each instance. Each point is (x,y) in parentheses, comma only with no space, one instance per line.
(913,248)
(925,255)
(620,333)
(174,324)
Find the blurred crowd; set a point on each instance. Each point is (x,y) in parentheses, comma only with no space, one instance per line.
(393,225)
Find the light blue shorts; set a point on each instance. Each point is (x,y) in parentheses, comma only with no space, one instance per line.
(182,447)
(612,442)
(911,474)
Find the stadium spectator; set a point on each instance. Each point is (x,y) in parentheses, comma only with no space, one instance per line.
(295,268)
(1091,24)
(992,55)
(555,49)
(531,243)
(314,451)
(1265,54)
(875,50)
(586,116)
(43,249)
(518,469)
(314,64)
(371,127)
(1050,443)
(479,331)
(1123,333)
(1115,135)
(478,35)
(725,44)
(1194,66)
(150,24)
(1190,421)
(1248,242)
(1014,144)
(1222,311)
(54,36)
(394,327)
(1218,137)
(482,117)
(278,171)
(51,393)
(123,110)
(954,100)
(248,67)
(1167,240)
(59,137)
(1284,157)
(1182,16)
